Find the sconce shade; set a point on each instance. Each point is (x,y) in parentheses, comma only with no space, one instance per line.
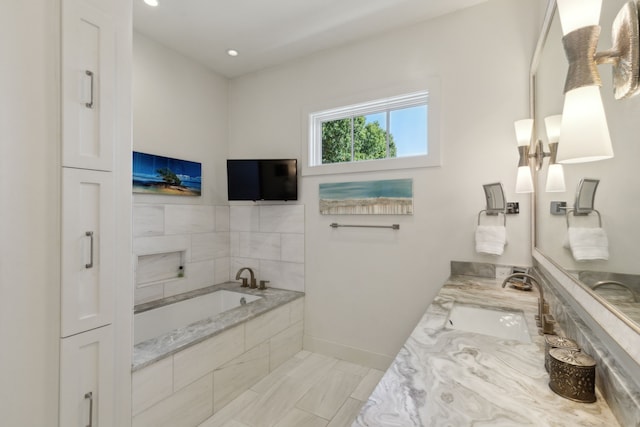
(552,126)
(524,182)
(524,128)
(555,179)
(584,133)
(576,14)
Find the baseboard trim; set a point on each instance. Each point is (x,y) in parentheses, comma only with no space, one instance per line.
(344,352)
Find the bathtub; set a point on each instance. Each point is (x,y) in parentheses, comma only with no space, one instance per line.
(162,320)
(197,351)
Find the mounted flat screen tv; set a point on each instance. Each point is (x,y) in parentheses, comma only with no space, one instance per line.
(266,179)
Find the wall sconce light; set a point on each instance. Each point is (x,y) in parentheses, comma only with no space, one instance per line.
(524,182)
(584,135)
(555,173)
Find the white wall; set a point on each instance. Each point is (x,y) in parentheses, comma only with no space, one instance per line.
(180,110)
(29,218)
(366,289)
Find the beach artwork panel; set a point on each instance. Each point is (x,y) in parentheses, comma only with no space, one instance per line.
(385,197)
(167,176)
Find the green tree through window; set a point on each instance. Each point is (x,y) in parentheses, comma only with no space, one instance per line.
(370,141)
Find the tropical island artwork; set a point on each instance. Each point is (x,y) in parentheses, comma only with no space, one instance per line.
(163,175)
(387,197)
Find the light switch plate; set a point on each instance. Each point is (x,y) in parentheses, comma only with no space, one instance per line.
(513,207)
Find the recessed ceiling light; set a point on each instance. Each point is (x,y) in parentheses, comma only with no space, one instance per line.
(153,3)
(232,52)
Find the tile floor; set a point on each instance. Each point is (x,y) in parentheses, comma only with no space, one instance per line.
(308,390)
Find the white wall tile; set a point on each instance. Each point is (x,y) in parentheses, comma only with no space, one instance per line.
(283,275)
(160,244)
(148,293)
(222,273)
(148,220)
(202,246)
(198,360)
(257,245)
(266,325)
(222,218)
(188,407)
(152,384)
(297,310)
(282,218)
(197,275)
(183,219)
(158,267)
(244,218)
(292,247)
(236,376)
(285,344)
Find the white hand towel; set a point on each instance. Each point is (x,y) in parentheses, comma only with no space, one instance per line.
(490,239)
(588,243)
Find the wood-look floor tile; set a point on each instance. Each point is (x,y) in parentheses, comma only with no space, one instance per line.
(326,397)
(366,386)
(347,413)
(223,417)
(298,418)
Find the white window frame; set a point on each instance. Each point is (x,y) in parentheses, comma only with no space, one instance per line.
(312,149)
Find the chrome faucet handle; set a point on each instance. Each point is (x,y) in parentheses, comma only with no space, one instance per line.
(263,284)
(245,282)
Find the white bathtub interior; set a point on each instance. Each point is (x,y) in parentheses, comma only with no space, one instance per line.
(161,320)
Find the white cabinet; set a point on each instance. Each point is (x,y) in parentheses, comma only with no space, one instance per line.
(88,247)
(86,379)
(88,85)
(93,33)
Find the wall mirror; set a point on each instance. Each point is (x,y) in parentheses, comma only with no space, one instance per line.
(618,195)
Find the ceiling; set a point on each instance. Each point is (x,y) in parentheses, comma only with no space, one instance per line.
(267,33)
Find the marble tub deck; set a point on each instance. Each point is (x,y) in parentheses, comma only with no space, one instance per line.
(152,350)
(447,377)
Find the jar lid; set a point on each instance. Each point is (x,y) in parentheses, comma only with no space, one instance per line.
(560,342)
(572,357)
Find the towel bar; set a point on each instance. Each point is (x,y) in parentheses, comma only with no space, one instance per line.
(392,226)
(504,217)
(593,210)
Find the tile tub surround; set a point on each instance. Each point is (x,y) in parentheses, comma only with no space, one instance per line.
(187,386)
(452,377)
(155,349)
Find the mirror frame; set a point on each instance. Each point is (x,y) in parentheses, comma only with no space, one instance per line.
(615,323)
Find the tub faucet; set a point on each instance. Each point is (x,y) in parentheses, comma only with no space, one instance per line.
(244,279)
(543,320)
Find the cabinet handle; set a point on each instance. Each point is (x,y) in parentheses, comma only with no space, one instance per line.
(90,235)
(90,103)
(89,396)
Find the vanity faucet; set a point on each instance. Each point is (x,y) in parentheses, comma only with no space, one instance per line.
(544,320)
(244,279)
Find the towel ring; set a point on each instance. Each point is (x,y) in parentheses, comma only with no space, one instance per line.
(593,210)
(504,217)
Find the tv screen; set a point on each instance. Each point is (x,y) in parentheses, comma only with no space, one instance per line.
(266,179)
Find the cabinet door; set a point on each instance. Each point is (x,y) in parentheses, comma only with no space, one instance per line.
(88,86)
(88,229)
(86,379)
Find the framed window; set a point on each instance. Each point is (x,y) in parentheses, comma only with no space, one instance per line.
(389,133)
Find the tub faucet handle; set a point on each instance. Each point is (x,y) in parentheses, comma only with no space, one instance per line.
(245,283)
(263,284)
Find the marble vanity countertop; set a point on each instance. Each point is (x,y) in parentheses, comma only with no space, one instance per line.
(152,350)
(448,377)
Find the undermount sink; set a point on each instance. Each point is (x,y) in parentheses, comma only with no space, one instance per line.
(495,321)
